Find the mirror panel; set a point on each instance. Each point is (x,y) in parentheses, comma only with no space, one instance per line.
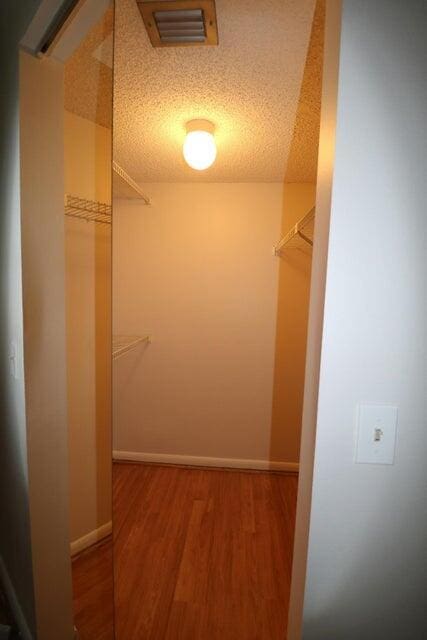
(87,147)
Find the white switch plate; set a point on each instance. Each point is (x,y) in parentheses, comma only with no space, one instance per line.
(376,438)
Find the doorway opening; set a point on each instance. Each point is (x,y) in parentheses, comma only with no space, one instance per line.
(187,305)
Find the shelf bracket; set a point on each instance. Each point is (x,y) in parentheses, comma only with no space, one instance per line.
(305,238)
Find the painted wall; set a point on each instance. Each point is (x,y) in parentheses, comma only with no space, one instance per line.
(315,320)
(42,171)
(34,545)
(88,303)
(15,535)
(34,572)
(366,559)
(291,334)
(196,270)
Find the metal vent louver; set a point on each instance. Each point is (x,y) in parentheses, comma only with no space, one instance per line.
(180,26)
(180,22)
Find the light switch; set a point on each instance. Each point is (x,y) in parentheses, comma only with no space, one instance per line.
(376,438)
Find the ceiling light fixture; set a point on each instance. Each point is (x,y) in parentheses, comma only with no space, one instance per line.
(199,145)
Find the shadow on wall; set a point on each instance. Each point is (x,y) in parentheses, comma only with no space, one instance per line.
(370,565)
(291,332)
(15,534)
(103,373)
(299,195)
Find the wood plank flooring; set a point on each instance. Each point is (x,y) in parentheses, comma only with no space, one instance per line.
(93,592)
(201,554)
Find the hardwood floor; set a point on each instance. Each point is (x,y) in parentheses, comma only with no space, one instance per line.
(93,592)
(199,554)
(202,554)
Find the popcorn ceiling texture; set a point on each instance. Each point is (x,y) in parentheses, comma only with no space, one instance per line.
(302,162)
(88,83)
(248,86)
(88,93)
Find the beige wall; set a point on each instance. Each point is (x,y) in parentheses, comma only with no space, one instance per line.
(87,158)
(44,341)
(88,297)
(291,334)
(197,271)
(315,320)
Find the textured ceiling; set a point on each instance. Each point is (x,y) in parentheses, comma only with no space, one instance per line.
(249,86)
(302,161)
(88,82)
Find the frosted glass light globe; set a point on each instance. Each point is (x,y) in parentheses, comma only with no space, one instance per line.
(199,149)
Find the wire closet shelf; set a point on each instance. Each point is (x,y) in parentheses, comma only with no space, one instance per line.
(89,210)
(123,344)
(125,187)
(301,235)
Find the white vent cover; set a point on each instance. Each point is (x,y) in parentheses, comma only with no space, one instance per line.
(180,26)
(180,22)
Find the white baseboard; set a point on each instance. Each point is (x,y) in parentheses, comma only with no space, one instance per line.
(205,461)
(14,602)
(91,538)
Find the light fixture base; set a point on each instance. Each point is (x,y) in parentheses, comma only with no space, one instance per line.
(200,125)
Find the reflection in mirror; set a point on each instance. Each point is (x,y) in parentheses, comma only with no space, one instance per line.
(87,145)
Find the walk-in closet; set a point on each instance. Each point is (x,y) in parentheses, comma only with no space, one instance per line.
(190,145)
(212,378)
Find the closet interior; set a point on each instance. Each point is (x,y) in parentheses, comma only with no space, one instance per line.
(187,307)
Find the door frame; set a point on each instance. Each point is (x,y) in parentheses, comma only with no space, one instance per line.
(83,17)
(41,154)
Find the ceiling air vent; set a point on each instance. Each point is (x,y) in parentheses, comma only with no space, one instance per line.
(180,22)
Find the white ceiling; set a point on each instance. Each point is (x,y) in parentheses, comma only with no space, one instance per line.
(248,86)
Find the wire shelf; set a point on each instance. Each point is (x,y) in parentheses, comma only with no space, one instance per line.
(125,187)
(301,235)
(88,210)
(123,344)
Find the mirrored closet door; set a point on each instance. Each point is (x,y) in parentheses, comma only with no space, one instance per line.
(87,147)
